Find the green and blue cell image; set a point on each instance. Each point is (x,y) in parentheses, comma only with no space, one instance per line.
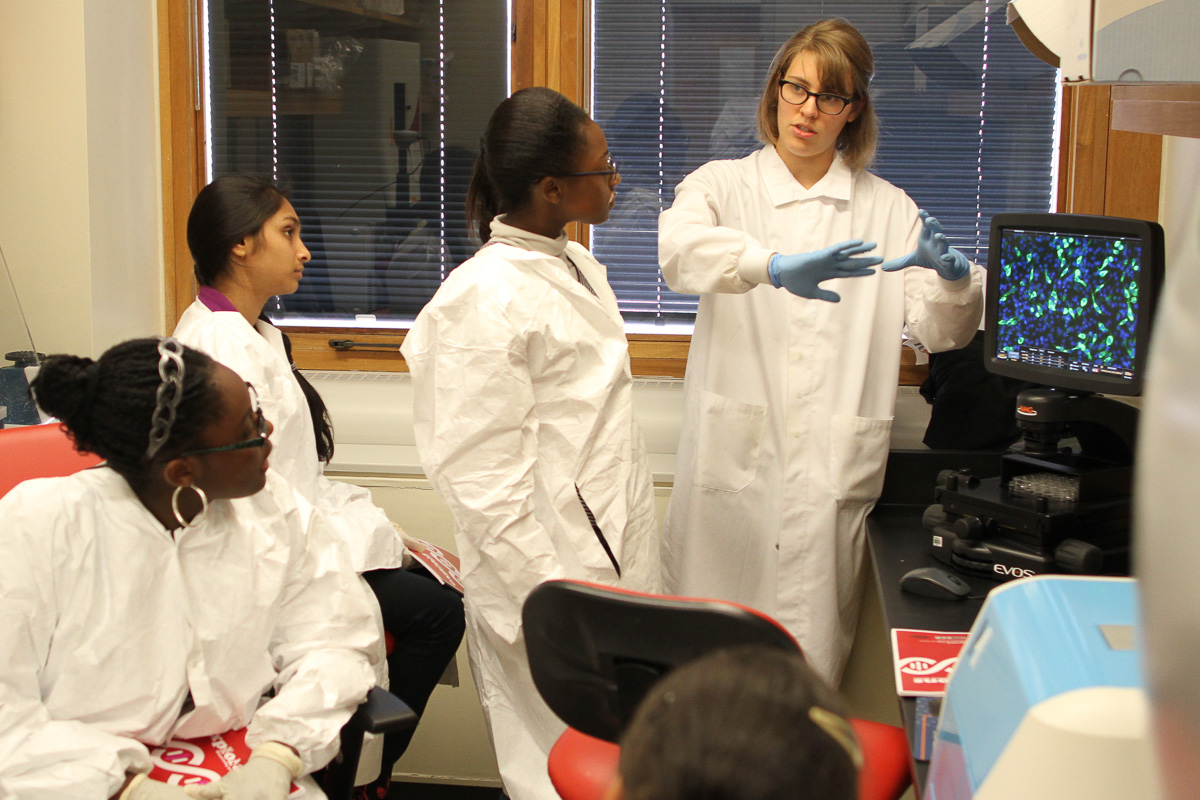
(1070,298)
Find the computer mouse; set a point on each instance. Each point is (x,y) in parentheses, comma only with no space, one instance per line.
(935,582)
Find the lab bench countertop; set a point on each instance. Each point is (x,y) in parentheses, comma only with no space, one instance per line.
(899,542)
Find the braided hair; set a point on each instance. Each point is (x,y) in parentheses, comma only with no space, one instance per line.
(106,405)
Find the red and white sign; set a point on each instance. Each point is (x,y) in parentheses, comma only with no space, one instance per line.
(923,660)
(441,563)
(188,762)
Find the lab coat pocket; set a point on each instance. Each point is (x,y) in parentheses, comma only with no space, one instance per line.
(858,448)
(728,442)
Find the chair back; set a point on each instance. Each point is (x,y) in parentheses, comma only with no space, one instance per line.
(38,451)
(595,651)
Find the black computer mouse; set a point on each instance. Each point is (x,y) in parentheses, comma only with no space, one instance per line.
(935,582)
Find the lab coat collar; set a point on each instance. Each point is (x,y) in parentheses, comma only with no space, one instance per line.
(517,237)
(503,233)
(214,300)
(114,486)
(783,188)
(535,246)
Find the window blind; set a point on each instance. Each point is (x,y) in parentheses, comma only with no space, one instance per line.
(966,115)
(371,111)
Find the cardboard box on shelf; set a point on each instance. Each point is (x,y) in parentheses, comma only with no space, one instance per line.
(304,44)
(394,7)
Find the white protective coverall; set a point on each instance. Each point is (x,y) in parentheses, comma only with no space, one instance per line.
(522,393)
(107,625)
(256,353)
(789,401)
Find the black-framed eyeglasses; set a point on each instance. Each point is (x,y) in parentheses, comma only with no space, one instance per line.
(612,170)
(827,103)
(258,440)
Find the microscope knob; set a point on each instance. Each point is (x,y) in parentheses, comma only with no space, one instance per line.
(934,516)
(956,479)
(968,527)
(1079,557)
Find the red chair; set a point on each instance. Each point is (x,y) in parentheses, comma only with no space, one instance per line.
(595,651)
(38,451)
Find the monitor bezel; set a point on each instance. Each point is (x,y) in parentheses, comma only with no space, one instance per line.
(1151,236)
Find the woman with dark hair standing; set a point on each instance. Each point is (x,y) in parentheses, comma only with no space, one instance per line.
(165,595)
(244,236)
(791,387)
(523,409)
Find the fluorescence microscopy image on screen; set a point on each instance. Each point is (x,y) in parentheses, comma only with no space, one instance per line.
(1068,297)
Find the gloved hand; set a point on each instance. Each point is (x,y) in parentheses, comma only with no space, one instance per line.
(932,252)
(142,788)
(800,273)
(266,775)
(411,546)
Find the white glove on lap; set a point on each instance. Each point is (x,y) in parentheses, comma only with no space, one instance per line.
(411,546)
(267,775)
(142,788)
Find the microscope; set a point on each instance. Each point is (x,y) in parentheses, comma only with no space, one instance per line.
(1070,299)
(1053,508)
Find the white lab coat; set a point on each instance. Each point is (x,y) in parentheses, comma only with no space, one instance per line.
(523,392)
(256,353)
(789,401)
(107,623)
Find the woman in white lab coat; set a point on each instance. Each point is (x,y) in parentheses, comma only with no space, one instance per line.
(165,595)
(245,238)
(523,409)
(790,389)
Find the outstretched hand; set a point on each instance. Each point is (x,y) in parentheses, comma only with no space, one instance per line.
(801,273)
(933,251)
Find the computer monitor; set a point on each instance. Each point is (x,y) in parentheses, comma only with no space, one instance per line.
(1070,300)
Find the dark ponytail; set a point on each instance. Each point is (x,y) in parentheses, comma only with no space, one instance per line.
(106,405)
(321,422)
(533,134)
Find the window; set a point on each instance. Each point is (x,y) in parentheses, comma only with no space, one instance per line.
(966,114)
(691,60)
(371,111)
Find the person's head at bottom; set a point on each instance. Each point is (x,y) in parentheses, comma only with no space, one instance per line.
(747,723)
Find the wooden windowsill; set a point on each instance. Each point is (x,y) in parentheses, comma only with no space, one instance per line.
(650,355)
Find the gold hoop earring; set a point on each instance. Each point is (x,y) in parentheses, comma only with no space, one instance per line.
(197,520)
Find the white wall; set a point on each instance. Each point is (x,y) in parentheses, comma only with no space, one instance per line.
(79,160)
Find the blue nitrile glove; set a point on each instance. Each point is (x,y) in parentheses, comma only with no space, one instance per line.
(933,252)
(800,273)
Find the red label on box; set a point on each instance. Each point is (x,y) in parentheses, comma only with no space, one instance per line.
(923,660)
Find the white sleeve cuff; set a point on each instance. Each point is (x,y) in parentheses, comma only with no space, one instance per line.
(752,266)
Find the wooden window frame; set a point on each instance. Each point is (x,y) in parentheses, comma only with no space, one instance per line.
(551,43)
